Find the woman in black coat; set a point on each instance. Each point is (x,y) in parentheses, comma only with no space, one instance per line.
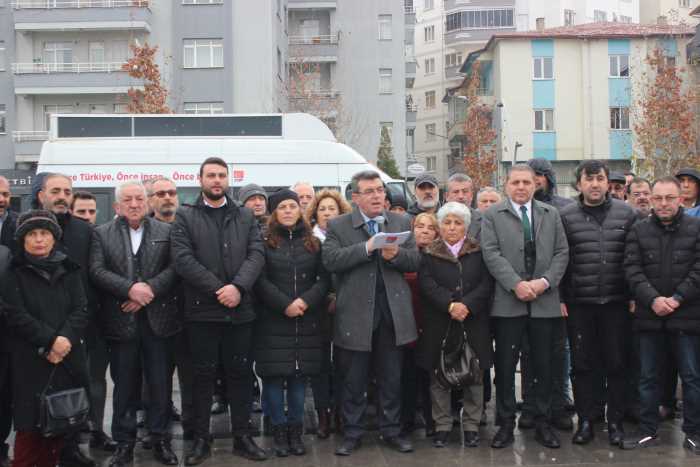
(456,289)
(292,290)
(46,314)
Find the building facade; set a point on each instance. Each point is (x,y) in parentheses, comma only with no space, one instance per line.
(569,94)
(668,11)
(66,57)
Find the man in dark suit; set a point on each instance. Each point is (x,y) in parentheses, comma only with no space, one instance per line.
(8,219)
(371,334)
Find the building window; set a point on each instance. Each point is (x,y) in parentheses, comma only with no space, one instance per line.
(3,113)
(2,56)
(619,118)
(279,63)
(429,4)
(385,85)
(431,163)
(204,108)
(600,16)
(625,19)
(430,132)
(454,59)
(203,53)
(120,108)
(384,27)
(569,17)
(480,19)
(202,2)
(55,109)
(619,66)
(429,66)
(58,56)
(544,68)
(429,33)
(96,52)
(389,129)
(544,120)
(684,3)
(430,99)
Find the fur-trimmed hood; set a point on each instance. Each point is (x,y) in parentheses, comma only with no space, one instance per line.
(439,249)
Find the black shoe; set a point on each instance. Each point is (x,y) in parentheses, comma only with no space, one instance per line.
(526,421)
(562,422)
(616,433)
(323,430)
(72,456)
(200,452)
(124,455)
(639,440)
(471,439)
(546,437)
(296,444)
(217,408)
(692,443)
(4,455)
(440,439)
(399,444)
(504,437)
(280,440)
(100,440)
(163,452)
(348,446)
(585,433)
(175,415)
(245,447)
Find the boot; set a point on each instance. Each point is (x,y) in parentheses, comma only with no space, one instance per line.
(199,452)
(280,440)
(4,455)
(324,424)
(72,456)
(245,447)
(296,444)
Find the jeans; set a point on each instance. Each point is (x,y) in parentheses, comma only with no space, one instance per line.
(126,359)
(296,388)
(653,351)
(211,342)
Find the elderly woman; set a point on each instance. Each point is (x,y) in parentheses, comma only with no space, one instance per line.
(455,288)
(47,314)
(292,290)
(326,205)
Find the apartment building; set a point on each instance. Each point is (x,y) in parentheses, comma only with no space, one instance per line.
(447,31)
(668,11)
(348,63)
(66,56)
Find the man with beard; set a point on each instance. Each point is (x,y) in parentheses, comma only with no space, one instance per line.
(219,254)
(427,195)
(8,219)
(254,197)
(55,195)
(84,206)
(690,184)
(618,185)
(639,196)
(162,199)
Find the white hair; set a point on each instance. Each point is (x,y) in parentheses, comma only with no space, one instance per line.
(298,184)
(487,189)
(118,189)
(455,209)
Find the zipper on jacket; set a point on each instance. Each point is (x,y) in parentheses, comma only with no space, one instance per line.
(296,319)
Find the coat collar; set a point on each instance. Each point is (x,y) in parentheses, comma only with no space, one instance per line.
(358,221)
(438,249)
(538,208)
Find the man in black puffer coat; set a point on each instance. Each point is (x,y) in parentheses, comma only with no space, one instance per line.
(595,294)
(219,254)
(663,272)
(5,393)
(130,262)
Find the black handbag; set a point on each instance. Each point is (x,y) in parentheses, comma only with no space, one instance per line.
(459,366)
(62,412)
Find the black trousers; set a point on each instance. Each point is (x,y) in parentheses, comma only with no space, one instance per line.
(415,391)
(149,352)
(355,367)
(181,358)
(598,335)
(322,383)
(5,397)
(233,343)
(98,361)
(542,334)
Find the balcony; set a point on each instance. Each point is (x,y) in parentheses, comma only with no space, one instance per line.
(411,114)
(411,67)
(82,15)
(452,72)
(312,4)
(316,101)
(321,48)
(28,143)
(410,15)
(72,78)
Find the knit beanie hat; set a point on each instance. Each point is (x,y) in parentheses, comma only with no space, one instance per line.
(37,219)
(282,195)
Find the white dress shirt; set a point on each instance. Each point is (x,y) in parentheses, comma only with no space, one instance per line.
(136,235)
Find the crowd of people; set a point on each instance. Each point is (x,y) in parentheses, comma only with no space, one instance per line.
(267,294)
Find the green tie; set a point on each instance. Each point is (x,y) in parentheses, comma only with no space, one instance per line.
(527,229)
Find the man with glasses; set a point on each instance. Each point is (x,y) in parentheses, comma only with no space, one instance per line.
(663,273)
(162,199)
(374,316)
(639,196)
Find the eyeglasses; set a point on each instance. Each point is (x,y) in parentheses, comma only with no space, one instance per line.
(668,199)
(370,192)
(639,194)
(164,193)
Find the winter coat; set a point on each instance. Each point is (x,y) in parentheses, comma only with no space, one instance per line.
(42,306)
(7,234)
(5,259)
(596,253)
(662,261)
(200,248)
(114,271)
(344,254)
(288,346)
(444,279)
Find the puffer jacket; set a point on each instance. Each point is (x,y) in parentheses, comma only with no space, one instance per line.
(113,270)
(208,257)
(287,346)
(662,260)
(596,253)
